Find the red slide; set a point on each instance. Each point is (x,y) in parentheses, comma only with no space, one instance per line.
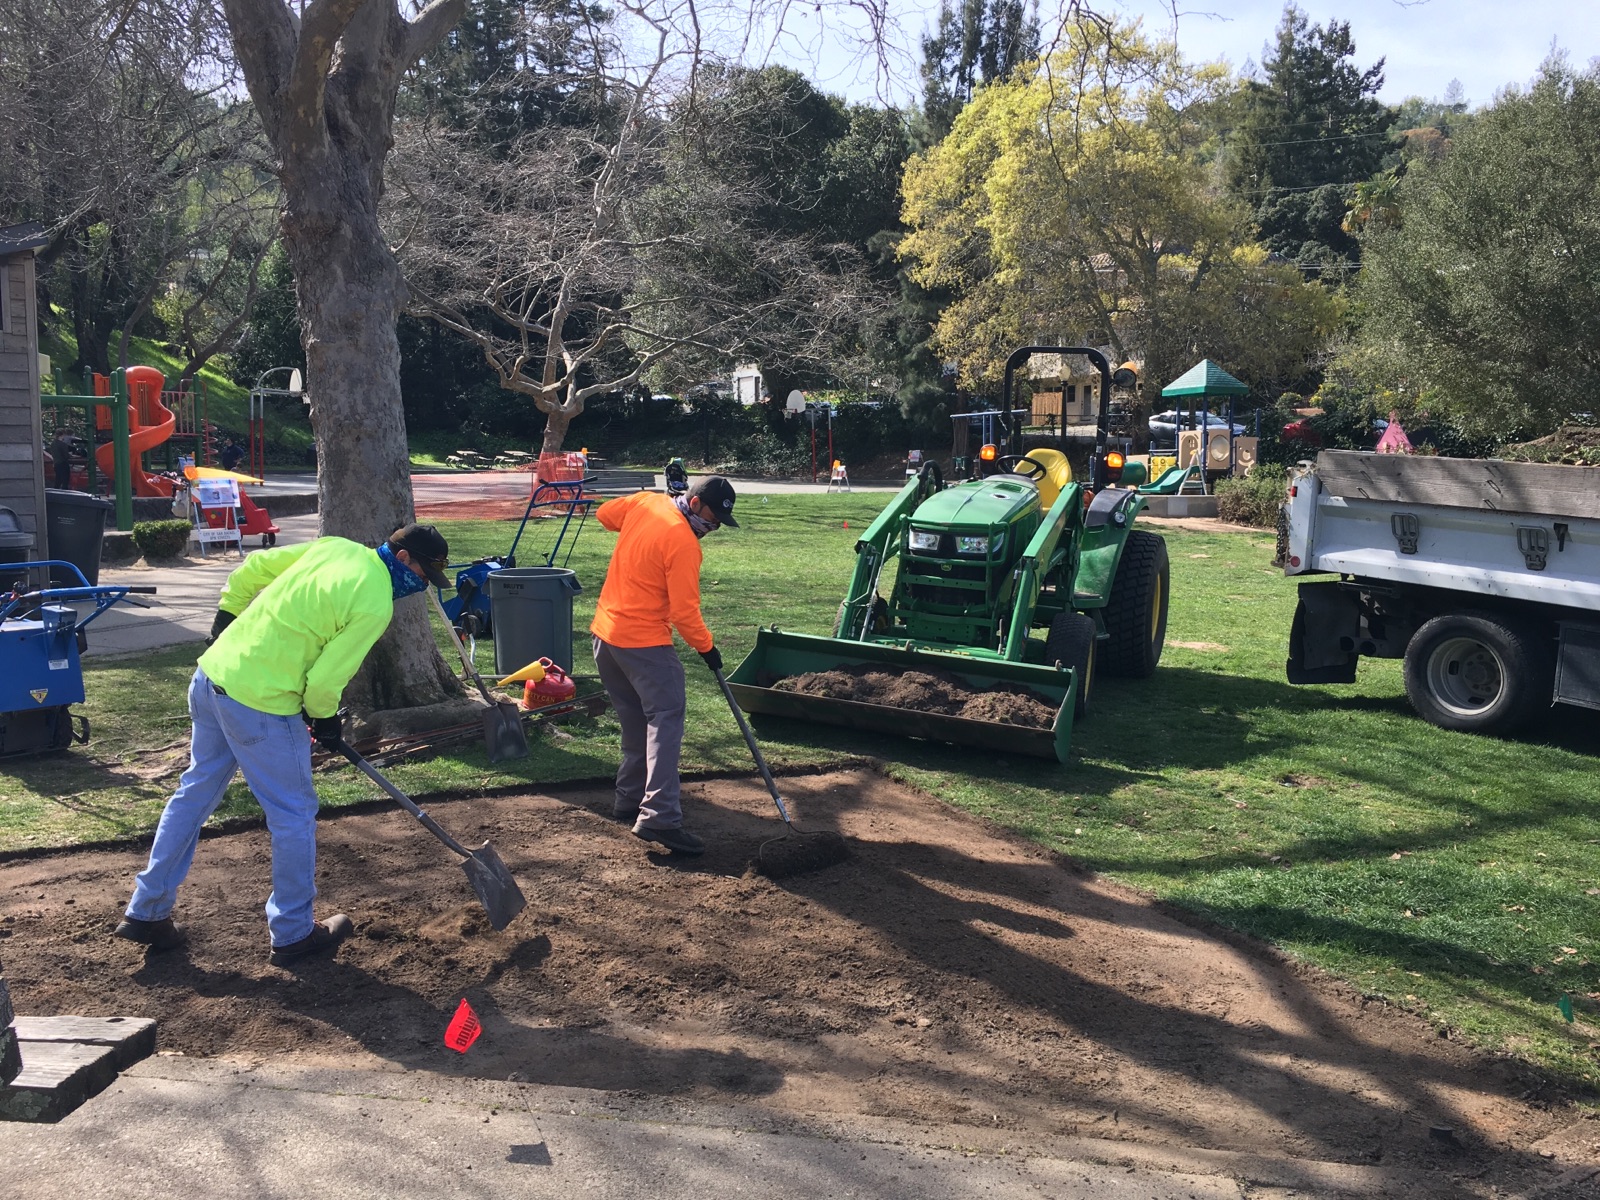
(150,423)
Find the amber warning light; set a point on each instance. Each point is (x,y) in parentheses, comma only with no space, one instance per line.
(988,453)
(1115,461)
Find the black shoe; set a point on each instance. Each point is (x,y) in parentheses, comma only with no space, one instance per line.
(678,840)
(625,814)
(325,935)
(164,934)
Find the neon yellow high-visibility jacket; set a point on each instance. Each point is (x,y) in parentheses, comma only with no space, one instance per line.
(306,616)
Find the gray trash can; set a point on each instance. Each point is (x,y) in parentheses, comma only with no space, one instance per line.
(76,522)
(532,610)
(16,545)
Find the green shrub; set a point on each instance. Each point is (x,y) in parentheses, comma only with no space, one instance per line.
(1255,499)
(161,539)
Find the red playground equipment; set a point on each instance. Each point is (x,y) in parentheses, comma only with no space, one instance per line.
(150,423)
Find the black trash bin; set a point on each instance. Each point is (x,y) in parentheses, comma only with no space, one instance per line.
(532,609)
(16,545)
(76,522)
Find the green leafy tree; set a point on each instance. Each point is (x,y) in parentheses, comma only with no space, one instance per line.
(1072,204)
(972,44)
(1311,125)
(1480,301)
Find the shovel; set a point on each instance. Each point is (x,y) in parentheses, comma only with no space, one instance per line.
(503,735)
(795,851)
(499,894)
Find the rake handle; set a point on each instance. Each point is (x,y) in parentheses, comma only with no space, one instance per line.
(403,800)
(750,740)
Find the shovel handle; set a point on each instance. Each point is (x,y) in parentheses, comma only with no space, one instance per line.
(466,662)
(403,800)
(750,740)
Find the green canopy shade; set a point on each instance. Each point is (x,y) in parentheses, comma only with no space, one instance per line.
(1205,378)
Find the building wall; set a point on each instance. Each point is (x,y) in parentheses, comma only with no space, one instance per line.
(21,436)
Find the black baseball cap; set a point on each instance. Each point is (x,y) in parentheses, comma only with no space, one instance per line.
(716,493)
(427,548)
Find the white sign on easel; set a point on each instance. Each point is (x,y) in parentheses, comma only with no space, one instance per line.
(217,494)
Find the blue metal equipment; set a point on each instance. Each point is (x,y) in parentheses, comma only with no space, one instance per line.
(41,672)
(469,610)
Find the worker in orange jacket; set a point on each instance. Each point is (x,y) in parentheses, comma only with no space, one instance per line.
(651,588)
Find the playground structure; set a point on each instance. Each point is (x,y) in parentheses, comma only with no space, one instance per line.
(127,415)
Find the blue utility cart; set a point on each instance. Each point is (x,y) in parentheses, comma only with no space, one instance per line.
(41,669)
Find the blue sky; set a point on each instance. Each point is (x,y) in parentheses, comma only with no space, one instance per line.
(1486,44)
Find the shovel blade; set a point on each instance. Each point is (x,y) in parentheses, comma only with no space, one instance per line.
(503,735)
(496,890)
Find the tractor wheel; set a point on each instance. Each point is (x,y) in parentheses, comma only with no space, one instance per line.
(1478,672)
(1074,642)
(1136,615)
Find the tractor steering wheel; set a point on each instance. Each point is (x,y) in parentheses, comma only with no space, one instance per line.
(1012,464)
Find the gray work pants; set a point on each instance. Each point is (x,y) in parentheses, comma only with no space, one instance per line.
(647,690)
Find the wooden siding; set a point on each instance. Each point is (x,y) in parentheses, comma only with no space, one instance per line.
(1547,489)
(22,479)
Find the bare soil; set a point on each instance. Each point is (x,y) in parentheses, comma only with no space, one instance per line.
(925,691)
(946,972)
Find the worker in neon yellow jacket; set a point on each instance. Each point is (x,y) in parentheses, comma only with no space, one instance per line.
(293,626)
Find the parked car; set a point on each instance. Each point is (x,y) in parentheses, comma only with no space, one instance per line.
(1164,426)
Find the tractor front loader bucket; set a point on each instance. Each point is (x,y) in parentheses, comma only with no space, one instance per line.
(779,655)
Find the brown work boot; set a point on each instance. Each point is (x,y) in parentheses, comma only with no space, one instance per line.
(324,935)
(164,934)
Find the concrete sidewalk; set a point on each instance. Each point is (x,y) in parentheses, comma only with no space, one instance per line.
(176,1127)
(185,602)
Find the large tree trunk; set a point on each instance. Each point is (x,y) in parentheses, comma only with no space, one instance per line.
(555,432)
(325,89)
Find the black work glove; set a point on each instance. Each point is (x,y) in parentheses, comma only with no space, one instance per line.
(222,621)
(713,658)
(328,731)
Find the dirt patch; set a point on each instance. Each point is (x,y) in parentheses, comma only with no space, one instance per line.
(944,973)
(925,691)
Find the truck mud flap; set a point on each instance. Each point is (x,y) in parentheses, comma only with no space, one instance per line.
(1578,666)
(1327,623)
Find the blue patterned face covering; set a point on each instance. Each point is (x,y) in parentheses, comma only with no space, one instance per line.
(700,525)
(404,580)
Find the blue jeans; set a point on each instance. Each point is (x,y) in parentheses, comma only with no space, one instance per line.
(275,755)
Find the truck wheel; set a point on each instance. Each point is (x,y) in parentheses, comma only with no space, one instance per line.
(1136,615)
(1478,673)
(1073,642)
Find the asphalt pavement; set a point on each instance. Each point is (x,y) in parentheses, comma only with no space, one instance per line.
(173,1127)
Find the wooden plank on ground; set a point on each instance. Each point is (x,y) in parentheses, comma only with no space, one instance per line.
(56,1078)
(133,1038)
(1547,489)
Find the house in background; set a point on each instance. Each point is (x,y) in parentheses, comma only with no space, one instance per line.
(22,479)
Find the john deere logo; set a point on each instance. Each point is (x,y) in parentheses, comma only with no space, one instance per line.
(39,694)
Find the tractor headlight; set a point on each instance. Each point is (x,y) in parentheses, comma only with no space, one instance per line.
(972,545)
(923,540)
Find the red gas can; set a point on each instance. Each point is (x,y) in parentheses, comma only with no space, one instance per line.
(555,687)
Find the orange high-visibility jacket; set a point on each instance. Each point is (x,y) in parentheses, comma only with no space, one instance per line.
(653,583)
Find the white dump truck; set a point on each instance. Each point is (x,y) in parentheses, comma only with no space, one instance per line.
(1483,575)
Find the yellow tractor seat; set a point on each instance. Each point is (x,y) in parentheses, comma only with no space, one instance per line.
(1058,473)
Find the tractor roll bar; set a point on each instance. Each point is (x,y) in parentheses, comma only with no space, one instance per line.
(1024,353)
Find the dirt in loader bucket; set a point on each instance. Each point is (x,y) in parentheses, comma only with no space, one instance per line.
(925,691)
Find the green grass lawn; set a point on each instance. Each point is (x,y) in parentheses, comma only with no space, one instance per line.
(1455,875)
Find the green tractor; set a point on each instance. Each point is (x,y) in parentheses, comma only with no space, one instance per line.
(1023,577)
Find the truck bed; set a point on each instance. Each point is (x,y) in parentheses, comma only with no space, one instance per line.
(1521,531)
